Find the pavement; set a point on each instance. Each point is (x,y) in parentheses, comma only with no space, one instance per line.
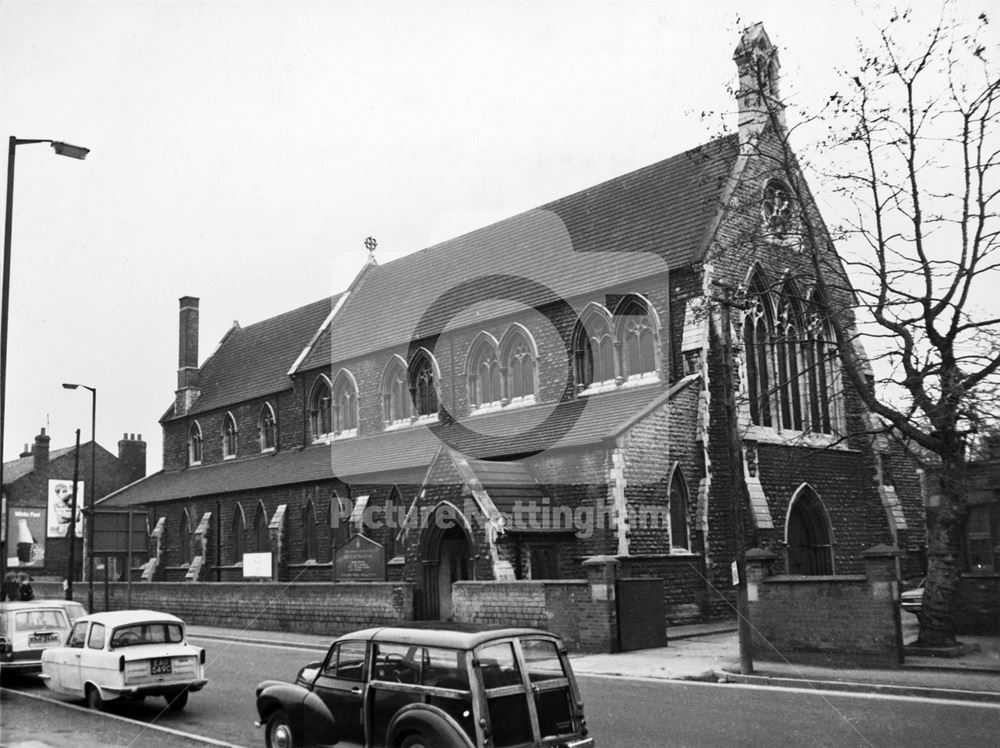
(702,652)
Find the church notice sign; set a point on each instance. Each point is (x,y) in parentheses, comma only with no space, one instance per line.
(360,559)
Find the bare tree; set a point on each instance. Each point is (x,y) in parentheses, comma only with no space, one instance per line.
(915,137)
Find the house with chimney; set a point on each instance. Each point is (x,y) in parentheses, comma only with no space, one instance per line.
(38,499)
(516,402)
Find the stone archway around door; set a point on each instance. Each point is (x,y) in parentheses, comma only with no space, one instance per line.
(808,534)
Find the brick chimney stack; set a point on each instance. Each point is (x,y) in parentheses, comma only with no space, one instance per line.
(132,456)
(758,67)
(41,450)
(187,357)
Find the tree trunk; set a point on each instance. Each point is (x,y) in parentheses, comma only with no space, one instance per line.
(944,563)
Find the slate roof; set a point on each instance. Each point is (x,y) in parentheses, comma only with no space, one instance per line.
(573,245)
(389,454)
(16,469)
(253,361)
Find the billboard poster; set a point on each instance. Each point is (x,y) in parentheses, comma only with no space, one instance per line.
(61,507)
(25,536)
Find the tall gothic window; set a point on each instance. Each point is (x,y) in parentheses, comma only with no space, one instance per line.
(345,403)
(194,444)
(637,336)
(321,409)
(484,372)
(678,512)
(184,538)
(519,364)
(757,326)
(239,526)
(260,530)
(309,544)
(593,348)
(265,428)
(229,436)
(793,378)
(787,351)
(395,392)
(423,385)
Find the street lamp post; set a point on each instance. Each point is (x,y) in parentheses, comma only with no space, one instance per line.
(88,513)
(63,149)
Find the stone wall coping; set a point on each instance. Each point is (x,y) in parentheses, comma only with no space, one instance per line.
(981,575)
(814,579)
(519,582)
(600,561)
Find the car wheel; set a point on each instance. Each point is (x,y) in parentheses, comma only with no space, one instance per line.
(415,740)
(279,731)
(94,700)
(177,702)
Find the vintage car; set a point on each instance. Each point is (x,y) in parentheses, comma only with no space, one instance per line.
(430,688)
(27,629)
(126,654)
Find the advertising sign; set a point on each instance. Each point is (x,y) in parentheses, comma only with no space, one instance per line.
(256,565)
(61,507)
(112,534)
(26,536)
(360,559)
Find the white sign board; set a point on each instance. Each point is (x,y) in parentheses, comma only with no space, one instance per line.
(257,565)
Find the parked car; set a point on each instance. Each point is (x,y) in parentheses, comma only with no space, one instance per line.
(912,600)
(27,629)
(126,654)
(430,688)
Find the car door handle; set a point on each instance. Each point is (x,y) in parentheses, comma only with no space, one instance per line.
(356,690)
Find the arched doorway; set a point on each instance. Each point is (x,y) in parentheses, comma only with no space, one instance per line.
(446,554)
(808,535)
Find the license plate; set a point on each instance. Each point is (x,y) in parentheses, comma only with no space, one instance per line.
(160,666)
(41,642)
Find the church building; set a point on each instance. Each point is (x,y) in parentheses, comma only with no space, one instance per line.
(547,389)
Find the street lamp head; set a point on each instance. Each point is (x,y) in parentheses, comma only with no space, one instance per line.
(73,151)
(68,386)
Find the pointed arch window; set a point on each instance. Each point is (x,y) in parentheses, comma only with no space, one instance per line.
(593,348)
(230,437)
(184,538)
(260,530)
(484,373)
(637,333)
(423,384)
(239,526)
(393,505)
(266,429)
(519,364)
(821,361)
(194,444)
(678,497)
(395,393)
(787,351)
(321,409)
(757,326)
(345,404)
(310,546)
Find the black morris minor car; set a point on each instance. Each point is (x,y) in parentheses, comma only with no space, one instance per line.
(430,688)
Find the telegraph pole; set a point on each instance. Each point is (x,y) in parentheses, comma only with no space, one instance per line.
(737,482)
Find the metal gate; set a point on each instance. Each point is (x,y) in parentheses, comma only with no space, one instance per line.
(641,614)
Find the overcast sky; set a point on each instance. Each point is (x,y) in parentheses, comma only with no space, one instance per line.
(242,151)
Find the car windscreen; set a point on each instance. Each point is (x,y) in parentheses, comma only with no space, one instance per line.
(38,620)
(154,632)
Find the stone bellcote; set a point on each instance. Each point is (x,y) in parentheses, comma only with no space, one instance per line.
(758,98)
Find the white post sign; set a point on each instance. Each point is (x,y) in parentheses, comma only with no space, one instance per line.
(256,565)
